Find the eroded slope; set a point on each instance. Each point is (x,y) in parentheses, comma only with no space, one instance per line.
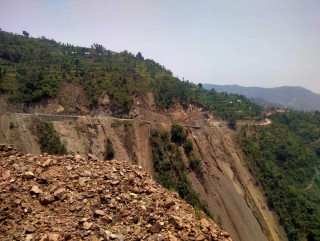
(229,188)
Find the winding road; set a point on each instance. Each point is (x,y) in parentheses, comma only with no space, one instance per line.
(52,117)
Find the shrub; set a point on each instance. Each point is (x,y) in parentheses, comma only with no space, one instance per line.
(232,123)
(11,126)
(170,170)
(109,152)
(49,139)
(188,147)
(178,134)
(195,165)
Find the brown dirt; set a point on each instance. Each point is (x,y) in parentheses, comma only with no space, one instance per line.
(20,135)
(229,188)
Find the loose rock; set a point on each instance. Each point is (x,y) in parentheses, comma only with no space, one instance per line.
(87,225)
(35,190)
(99,213)
(28,175)
(58,194)
(155,228)
(46,198)
(70,198)
(30,228)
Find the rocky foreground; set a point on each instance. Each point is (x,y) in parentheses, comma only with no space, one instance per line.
(52,198)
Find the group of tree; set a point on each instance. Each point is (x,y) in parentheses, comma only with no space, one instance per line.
(25,33)
(284,161)
(169,166)
(35,67)
(98,47)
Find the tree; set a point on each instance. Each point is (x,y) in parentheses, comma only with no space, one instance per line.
(109,152)
(139,56)
(25,33)
(98,47)
(232,123)
(200,85)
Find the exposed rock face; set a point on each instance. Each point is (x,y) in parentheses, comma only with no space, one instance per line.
(117,201)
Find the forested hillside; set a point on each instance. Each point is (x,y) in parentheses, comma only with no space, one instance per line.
(286,160)
(32,69)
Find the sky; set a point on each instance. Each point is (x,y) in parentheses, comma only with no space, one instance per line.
(265,43)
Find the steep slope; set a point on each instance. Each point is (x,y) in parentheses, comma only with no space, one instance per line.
(69,198)
(229,189)
(294,97)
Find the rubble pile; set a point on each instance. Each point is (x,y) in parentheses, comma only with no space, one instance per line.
(51,198)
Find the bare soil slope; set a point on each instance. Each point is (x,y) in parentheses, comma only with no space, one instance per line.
(229,188)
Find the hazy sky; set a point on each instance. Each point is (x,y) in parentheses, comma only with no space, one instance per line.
(250,42)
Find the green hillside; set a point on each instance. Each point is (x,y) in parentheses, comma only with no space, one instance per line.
(31,69)
(285,157)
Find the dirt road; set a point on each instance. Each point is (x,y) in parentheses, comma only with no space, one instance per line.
(74,117)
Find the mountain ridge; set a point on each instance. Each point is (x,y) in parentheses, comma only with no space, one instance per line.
(295,97)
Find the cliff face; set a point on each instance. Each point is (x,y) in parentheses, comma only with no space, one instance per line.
(229,189)
(69,198)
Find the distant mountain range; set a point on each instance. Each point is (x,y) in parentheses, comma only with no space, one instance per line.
(295,97)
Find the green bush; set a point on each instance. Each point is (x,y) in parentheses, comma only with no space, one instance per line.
(232,123)
(195,165)
(188,147)
(49,139)
(178,134)
(109,150)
